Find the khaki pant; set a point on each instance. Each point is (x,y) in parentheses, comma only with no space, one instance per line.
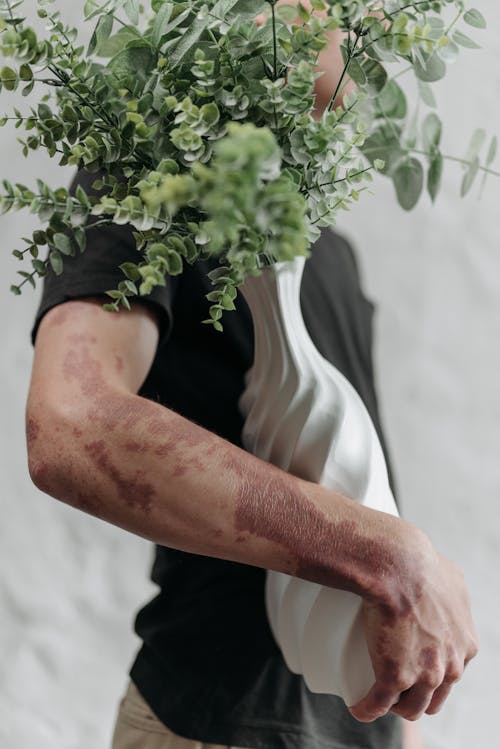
(137,727)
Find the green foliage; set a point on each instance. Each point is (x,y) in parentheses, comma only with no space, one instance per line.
(199,126)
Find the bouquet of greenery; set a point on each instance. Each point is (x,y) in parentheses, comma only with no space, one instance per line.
(199,124)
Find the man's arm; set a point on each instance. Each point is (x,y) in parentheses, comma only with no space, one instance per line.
(96,445)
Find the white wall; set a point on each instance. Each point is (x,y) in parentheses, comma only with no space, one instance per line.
(70,584)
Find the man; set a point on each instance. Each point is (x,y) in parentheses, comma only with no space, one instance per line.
(133,417)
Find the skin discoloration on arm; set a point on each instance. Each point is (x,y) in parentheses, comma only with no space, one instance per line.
(70,487)
(97,445)
(80,367)
(330,551)
(135,490)
(113,415)
(32,432)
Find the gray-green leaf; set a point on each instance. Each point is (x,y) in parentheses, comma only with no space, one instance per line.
(469,176)
(131,8)
(392,101)
(101,33)
(465,41)
(116,43)
(56,262)
(376,76)
(431,131)
(63,243)
(426,94)
(408,179)
(161,20)
(137,58)
(432,68)
(434,175)
(475,18)
(475,144)
(197,27)
(492,150)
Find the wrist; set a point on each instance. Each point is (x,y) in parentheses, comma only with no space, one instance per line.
(411,555)
(370,553)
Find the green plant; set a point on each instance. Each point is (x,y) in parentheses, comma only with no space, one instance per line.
(199,124)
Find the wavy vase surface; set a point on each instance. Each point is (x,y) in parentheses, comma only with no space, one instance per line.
(304,416)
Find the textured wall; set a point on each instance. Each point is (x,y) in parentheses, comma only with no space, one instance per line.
(70,584)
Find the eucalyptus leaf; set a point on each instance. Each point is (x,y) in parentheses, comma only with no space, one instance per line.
(198,26)
(357,73)
(63,243)
(376,76)
(431,131)
(136,59)
(115,44)
(475,144)
(492,150)
(131,8)
(56,262)
(101,33)
(449,53)
(160,23)
(200,127)
(408,178)
(434,174)
(384,143)
(469,176)
(410,135)
(426,94)
(431,68)
(475,18)
(465,41)
(391,101)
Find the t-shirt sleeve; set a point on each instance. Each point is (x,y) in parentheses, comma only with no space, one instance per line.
(96,270)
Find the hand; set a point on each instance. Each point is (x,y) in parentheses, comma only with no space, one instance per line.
(420,646)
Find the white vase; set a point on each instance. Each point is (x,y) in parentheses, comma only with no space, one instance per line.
(303,415)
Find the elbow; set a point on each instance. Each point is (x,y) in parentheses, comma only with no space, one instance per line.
(41,472)
(47,442)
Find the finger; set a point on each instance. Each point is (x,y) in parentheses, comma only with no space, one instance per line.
(474,650)
(261,19)
(453,674)
(413,703)
(377,703)
(439,697)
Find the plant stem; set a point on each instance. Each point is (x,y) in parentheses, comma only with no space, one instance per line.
(400,33)
(11,14)
(421,152)
(404,7)
(345,179)
(126,25)
(275,51)
(344,71)
(327,212)
(452,24)
(402,72)
(25,280)
(464,162)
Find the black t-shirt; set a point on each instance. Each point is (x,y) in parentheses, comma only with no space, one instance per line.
(209,667)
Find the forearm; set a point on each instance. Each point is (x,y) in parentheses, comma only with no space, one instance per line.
(150,471)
